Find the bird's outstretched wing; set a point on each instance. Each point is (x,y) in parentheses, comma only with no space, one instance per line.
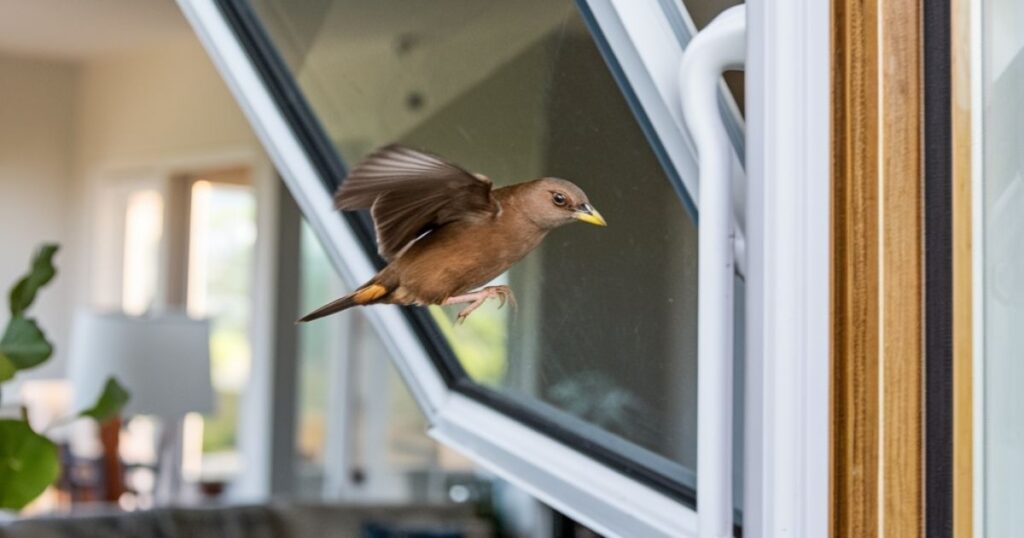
(410,192)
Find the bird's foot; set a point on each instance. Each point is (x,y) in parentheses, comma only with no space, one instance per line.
(477,298)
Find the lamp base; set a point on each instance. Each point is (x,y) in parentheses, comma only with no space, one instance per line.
(113,473)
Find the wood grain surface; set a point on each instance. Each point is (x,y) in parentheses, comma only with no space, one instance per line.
(963,429)
(877,313)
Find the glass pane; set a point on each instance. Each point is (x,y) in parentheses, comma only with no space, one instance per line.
(318,346)
(221,239)
(604,337)
(1002,220)
(703,12)
(356,417)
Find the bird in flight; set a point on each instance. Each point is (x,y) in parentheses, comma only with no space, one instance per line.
(445,231)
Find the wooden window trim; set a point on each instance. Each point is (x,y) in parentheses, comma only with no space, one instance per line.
(963,255)
(877,314)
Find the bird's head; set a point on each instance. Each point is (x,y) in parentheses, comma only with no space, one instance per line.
(553,202)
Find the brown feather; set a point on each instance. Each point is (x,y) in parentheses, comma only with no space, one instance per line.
(410,192)
(464,255)
(370,293)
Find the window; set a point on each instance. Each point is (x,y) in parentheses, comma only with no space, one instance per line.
(143,230)
(514,90)
(221,238)
(604,338)
(185,241)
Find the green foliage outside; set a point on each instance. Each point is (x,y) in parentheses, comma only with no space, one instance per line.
(219,430)
(29,462)
(480,342)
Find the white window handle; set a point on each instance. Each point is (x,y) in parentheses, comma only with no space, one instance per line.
(719,47)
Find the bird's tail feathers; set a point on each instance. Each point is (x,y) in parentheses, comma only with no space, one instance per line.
(368,294)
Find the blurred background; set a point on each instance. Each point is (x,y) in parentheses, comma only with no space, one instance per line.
(184,262)
(120,142)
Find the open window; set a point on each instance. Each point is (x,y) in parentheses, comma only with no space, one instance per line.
(586,394)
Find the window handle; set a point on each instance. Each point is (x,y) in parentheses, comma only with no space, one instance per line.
(719,47)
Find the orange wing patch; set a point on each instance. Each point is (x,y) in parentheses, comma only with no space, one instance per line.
(369,293)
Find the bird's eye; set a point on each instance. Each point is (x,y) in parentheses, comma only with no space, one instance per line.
(558,198)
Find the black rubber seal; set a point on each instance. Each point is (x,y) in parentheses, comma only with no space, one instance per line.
(938,269)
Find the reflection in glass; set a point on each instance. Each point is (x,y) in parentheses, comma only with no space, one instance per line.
(702,12)
(1002,220)
(604,337)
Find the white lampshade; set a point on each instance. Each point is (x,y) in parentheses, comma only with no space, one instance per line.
(163,360)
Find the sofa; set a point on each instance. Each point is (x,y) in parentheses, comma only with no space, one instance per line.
(275,520)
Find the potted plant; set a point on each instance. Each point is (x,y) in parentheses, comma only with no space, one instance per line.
(29,461)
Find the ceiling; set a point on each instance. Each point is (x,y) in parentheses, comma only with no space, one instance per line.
(81,29)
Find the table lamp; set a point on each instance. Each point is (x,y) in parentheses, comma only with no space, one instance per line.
(162,359)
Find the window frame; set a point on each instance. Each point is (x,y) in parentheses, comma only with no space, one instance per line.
(611,501)
(787,437)
(327,163)
(643,43)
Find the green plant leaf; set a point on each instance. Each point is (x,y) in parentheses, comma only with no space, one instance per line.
(28,464)
(7,368)
(41,272)
(24,344)
(110,402)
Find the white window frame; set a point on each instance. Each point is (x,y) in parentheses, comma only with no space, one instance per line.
(787,367)
(788,104)
(649,52)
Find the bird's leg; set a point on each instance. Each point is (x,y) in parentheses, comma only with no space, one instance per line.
(477,298)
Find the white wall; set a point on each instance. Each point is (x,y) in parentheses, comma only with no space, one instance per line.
(36,182)
(144,116)
(70,132)
(157,104)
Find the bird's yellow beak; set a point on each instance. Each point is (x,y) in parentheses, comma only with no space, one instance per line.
(588,214)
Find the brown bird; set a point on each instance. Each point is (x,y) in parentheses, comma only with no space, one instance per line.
(445,231)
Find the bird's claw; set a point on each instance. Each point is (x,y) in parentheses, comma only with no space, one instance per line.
(511,299)
(503,294)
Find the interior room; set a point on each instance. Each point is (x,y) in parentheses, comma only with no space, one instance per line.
(121,144)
